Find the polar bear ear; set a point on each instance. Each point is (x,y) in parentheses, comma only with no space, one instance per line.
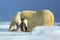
(28,13)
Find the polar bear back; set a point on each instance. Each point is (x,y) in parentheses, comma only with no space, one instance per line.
(28,13)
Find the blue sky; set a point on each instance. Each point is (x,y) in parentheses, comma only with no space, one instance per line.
(8,8)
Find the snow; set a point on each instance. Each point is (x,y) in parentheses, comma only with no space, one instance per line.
(38,33)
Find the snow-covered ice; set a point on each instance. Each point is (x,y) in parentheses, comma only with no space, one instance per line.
(38,33)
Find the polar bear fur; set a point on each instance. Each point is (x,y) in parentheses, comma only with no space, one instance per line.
(33,19)
(40,18)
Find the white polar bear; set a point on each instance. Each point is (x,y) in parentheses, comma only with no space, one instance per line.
(33,19)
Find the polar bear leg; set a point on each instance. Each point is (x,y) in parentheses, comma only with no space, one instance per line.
(30,26)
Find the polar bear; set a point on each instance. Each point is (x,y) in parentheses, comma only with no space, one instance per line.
(39,18)
(33,19)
